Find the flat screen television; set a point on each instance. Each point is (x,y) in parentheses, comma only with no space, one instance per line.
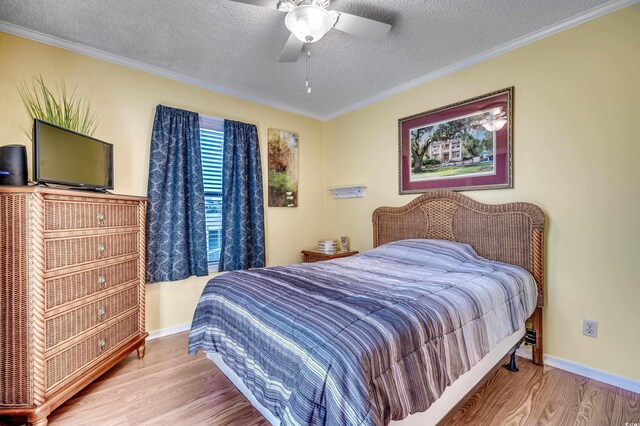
(61,156)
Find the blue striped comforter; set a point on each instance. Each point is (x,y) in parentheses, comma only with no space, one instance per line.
(365,339)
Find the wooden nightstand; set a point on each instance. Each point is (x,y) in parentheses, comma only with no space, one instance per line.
(311,256)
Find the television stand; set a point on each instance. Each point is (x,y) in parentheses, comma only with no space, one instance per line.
(66,253)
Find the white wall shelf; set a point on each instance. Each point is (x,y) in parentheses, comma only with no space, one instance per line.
(348,191)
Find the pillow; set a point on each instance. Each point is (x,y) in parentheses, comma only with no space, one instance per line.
(421,249)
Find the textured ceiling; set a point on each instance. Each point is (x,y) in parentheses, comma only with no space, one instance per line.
(238,45)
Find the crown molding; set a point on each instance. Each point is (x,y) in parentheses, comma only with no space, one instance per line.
(144,67)
(604,9)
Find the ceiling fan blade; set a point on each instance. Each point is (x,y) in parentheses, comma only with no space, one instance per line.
(292,49)
(272,4)
(362,27)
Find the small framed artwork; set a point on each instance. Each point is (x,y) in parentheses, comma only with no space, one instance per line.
(463,146)
(283,168)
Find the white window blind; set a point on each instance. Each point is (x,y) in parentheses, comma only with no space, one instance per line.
(211,144)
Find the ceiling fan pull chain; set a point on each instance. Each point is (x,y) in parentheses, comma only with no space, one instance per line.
(308,74)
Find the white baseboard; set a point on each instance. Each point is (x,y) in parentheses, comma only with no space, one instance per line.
(583,370)
(169,331)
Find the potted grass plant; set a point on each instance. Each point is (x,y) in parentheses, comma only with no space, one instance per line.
(59,106)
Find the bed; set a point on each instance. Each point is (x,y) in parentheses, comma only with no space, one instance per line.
(400,333)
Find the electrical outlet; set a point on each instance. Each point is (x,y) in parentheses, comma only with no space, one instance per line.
(590,328)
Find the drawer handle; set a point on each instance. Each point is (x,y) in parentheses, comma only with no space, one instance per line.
(102,281)
(101,249)
(102,344)
(100,218)
(102,312)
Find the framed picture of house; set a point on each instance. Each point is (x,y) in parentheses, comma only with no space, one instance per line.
(463,146)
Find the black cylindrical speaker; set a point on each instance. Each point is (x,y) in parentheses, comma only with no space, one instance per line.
(13,165)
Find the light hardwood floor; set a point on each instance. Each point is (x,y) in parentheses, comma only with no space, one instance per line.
(170,387)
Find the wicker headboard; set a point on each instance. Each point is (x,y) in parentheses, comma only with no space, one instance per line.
(511,233)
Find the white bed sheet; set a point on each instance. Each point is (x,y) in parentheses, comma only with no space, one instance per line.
(436,412)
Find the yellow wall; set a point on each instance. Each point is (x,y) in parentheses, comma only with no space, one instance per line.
(576,154)
(576,145)
(127,100)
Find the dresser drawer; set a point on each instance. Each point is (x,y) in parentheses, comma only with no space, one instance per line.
(64,366)
(61,252)
(71,287)
(69,324)
(62,216)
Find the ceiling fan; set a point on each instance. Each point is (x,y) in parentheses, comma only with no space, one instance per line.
(310,20)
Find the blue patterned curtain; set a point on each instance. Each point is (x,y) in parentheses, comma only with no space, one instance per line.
(176,240)
(242,199)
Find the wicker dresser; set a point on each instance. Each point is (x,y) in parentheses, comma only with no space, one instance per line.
(72,276)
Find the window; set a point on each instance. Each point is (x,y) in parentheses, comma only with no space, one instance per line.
(211,144)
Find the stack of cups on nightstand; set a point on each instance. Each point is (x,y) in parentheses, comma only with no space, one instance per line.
(328,246)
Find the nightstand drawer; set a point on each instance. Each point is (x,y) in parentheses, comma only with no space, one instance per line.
(310,256)
(311,259)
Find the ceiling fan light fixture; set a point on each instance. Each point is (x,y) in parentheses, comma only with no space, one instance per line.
(494,125)
(496,119)
(309,23)
(285,5)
